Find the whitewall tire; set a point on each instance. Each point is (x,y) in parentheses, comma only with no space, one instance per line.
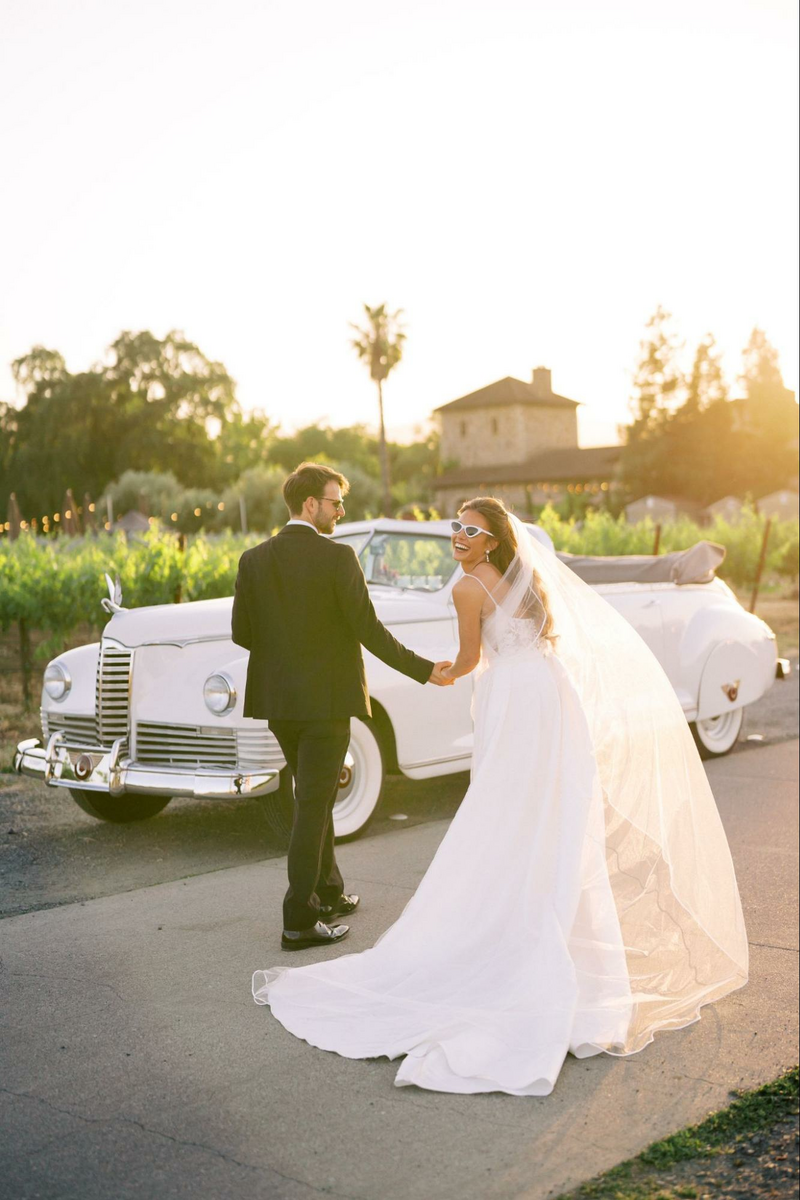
(360,787)
(716,736)
(360,784)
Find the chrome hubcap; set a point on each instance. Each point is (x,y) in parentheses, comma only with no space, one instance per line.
(346,776)
(720,732)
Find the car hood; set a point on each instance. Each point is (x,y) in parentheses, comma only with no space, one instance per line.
(206,619)
(174,623)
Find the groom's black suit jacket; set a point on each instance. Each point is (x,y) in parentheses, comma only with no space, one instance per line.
(303,611)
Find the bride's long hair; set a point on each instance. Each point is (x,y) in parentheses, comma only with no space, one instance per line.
(495,514)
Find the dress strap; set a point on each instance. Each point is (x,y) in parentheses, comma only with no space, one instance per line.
(467,575)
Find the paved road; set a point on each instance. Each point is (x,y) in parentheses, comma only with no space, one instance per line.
(135,1065)
(52,853)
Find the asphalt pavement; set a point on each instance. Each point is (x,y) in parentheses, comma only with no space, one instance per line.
(52,853)
(135,1063)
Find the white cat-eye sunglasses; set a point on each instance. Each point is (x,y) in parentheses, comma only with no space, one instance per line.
(470,530)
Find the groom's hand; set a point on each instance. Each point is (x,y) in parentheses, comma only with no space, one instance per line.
(438,678)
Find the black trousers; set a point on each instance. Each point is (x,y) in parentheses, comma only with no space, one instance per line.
(314,752)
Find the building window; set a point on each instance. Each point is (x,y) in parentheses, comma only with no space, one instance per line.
(494,425)
(463,428)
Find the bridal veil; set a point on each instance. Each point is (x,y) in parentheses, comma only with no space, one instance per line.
(666,853)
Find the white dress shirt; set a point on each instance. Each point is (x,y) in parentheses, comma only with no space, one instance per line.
(297,521)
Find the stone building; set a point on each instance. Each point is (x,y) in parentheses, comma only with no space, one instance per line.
(518,441)
(783,505)
(729,508)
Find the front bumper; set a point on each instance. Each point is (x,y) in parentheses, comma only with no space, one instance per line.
(101,770)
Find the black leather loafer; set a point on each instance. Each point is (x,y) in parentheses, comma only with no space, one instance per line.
(343,908)
(318,935)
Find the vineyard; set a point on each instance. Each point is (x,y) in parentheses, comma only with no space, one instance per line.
(53,585)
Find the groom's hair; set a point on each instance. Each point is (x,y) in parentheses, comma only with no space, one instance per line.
(309,479)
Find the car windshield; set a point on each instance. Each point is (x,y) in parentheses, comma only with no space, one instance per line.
(416,561)
(356,540)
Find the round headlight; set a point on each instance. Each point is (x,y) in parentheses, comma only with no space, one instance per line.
(219,694)
(57,681)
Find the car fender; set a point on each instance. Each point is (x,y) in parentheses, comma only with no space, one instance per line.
(81,663)
(732,656)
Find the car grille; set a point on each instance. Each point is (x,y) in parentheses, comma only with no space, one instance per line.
(113,692)
(78,731)
(112,703)
(161,744)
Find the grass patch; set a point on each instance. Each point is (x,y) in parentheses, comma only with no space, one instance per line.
(751,1113)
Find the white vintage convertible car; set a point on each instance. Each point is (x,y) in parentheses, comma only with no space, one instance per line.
(154,710)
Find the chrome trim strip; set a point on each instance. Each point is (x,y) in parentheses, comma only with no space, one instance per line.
(432,762)
(180,643)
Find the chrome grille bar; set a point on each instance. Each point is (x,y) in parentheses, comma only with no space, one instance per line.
(77,730)
(113,694)
(165,744)
(184,745)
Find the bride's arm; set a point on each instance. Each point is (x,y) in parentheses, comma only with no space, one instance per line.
(468,597)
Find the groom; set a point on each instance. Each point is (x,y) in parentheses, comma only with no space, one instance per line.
(303,611)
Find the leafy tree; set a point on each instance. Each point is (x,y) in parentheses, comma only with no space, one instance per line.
(262,489)
(710,447)
(412,467)
(245,439)
(157,404)
(352,444)
(183,396)
(160,491)
(380,346)
(706,383)
(657,383)
(658,380)
(770,407)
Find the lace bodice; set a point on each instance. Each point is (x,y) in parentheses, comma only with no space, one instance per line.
(504,636)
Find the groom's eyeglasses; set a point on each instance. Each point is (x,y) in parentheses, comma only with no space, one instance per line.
(331,500)
(470,530)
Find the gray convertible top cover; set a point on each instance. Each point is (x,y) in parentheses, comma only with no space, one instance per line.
(696,565)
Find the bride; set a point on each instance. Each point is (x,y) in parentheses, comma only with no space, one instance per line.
(583,897)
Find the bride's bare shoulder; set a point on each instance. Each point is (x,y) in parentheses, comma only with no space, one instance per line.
(483,573)
(488,574)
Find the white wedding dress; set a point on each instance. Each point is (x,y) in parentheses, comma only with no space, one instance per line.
(547,921)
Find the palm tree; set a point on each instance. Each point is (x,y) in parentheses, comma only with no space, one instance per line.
(380,346)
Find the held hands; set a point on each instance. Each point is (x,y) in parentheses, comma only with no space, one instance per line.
(439,677)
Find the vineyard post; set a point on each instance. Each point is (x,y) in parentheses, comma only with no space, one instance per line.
(14,517)
(657,541)
(182,553)
(25,662)
(761,560)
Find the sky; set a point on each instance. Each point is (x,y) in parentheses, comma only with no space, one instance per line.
(527,181)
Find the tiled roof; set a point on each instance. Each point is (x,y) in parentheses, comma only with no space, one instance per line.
(508,391)
(572,463)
